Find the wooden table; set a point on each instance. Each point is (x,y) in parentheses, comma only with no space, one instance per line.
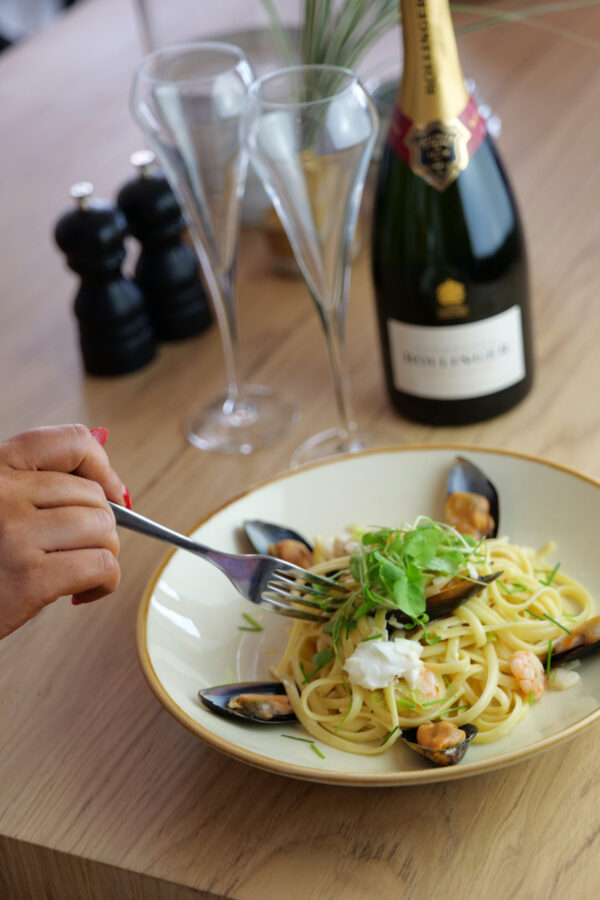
(102,793)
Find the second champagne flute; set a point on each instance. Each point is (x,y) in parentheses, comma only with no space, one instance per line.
(189,99)
(310,132)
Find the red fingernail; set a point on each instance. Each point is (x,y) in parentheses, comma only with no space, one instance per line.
(126,496)
(101,435)
(75,601)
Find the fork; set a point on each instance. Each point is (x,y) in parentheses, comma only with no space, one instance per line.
(264,580)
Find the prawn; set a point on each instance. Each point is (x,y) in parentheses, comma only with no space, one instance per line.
(427,683)
(529,672)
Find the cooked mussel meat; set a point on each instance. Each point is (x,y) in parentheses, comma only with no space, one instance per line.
(581,641)
(454,593)
(472,505)
(279,541)
(254,701)
(440,742)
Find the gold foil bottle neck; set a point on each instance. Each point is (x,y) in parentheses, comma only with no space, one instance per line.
(433,87)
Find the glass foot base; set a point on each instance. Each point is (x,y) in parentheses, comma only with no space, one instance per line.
(332,442)
(258,419)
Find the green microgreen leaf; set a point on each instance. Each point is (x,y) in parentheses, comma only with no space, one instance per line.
(323,657)
(252,626)
(388,736)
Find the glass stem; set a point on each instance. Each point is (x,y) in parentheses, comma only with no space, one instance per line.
(221,289)
(335,335)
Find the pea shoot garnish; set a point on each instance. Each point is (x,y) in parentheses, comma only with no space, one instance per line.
(393,567)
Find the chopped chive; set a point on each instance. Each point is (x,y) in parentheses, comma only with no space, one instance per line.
(388,736)
(453,710)
(255,626)
(448,685)
(343,719)
(372,637)
(313,746)
(434,702)
(535,615)
(531,698)
(564,627)
(516,588)
(550,579)
(548,660)
(410,703)
(552,680)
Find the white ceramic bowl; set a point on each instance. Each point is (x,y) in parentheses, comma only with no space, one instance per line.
(189,618)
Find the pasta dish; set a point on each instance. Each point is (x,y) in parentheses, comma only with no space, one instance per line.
(380,661)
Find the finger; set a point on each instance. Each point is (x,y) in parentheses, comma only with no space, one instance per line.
(69,572)
(88,596)
(48,490)
(74,528)
(64,448)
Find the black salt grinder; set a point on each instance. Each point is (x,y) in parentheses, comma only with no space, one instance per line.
(115,331)
(167,269)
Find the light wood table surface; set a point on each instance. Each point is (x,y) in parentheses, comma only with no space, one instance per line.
(102,793)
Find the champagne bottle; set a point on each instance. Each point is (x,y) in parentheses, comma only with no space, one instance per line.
(449,260)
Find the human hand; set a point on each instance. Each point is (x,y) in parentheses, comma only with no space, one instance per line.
(57,532)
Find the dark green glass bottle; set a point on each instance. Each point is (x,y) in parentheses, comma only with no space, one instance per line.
(449,259)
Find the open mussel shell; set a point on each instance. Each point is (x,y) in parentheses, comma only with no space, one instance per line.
(465,478)
(254,701)
(263,534)
(449,757)
(454,593)
(582,640)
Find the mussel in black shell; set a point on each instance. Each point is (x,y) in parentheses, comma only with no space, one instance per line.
(440,742)
(279,541)
(581,641)
(472,504)
(255,701)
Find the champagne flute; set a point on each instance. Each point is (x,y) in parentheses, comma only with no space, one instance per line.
(309,131)
(188,100)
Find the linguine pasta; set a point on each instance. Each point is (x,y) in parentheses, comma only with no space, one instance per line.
(466,675)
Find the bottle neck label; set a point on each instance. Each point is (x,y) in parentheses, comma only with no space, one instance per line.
(438,151)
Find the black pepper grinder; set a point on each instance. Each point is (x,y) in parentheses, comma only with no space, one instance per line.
(167,269)
(115,331)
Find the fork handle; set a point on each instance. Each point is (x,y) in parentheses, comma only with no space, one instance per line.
(134,522)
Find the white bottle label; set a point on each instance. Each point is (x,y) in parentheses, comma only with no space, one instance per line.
(457,362)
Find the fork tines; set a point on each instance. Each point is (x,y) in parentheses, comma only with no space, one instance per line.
(290,585)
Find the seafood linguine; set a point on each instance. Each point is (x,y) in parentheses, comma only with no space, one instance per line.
(382,662)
